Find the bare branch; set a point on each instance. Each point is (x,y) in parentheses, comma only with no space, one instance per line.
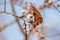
(16,18)
(4,6)
(56,8)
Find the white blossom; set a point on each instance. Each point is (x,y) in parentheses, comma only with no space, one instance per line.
(26,13)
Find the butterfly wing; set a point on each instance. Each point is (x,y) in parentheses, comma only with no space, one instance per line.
(37,15)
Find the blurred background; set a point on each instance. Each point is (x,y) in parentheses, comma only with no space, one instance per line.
(51,17)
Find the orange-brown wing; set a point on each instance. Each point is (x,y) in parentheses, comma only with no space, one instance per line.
(38,17)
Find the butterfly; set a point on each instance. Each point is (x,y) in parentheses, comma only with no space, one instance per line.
(37,16)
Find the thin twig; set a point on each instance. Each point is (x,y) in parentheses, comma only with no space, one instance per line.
(25,30)
(56,8)
(4,6)
(16,18)
(21,2)
(6,25)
